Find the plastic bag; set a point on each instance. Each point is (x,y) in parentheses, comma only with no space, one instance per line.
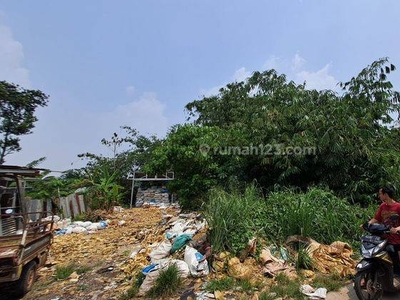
(179,242)
(196,268)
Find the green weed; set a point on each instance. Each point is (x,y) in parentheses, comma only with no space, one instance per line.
(224,284)
(332,282)
(284,288)
(82,270)
(167,283)
(304,261)
(63,272)
(234,218)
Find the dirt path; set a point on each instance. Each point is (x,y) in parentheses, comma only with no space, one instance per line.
(348,293)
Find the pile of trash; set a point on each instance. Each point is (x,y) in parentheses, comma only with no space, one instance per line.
(68,227)
(152,195)
(175,248)
(149,240)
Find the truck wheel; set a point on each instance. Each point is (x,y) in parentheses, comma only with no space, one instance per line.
(27,279)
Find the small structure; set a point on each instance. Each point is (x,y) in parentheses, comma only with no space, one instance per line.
(141,177)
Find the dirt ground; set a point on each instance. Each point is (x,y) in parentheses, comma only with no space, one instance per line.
(101,259)
(102,264)
(348,293)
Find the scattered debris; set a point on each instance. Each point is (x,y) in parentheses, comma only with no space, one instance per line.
(312,293)
(112,258)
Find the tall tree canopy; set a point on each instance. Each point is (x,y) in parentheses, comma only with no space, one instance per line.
(17,109)
(345,141)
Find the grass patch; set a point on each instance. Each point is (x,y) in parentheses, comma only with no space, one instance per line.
(234,218)
(63,272)
(167,283)
(82,270)
(332,282)
(303,261)
(285,288)
(224,284)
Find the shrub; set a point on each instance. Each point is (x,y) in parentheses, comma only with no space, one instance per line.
(234,218)
(318,214)
(167,283)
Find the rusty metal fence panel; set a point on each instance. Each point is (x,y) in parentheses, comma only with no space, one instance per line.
(72,205)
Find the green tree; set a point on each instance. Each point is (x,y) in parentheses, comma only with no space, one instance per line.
(343,140)
(17,108)
(186,152)
(101,188)
(130,152)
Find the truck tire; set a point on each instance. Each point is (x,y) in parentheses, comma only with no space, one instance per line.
(27,279)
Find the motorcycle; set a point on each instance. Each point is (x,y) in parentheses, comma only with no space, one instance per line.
(375,270)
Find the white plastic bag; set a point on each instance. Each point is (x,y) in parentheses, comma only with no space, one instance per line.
(162,251)
(152,276)
(196,268)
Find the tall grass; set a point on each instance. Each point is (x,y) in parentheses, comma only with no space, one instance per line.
(235,217)
(318,214)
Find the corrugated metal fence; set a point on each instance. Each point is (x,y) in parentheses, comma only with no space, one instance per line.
(72,205)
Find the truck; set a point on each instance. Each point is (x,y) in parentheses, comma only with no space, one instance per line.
(26,231)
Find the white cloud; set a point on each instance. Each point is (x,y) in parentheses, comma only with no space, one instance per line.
(145,114)
(319,80)
(296,70)
(276,63)
(11,59)
(238,76)
(241,74)
(298,62)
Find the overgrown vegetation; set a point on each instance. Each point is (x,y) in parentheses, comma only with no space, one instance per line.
(284,287)
(234,218)
(265,129)
(17,115)
(64,271)
(282,135)
(167,283)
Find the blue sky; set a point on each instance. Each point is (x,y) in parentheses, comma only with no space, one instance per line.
(106,64)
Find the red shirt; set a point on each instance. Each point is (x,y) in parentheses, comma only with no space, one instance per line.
(383,216)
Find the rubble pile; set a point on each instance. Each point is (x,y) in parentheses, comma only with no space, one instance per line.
(104,255)
(154,195)
(146,240)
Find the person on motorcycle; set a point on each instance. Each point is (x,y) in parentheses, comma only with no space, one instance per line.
(384,215)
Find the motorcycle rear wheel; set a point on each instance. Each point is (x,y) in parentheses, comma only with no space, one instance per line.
(365,286)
